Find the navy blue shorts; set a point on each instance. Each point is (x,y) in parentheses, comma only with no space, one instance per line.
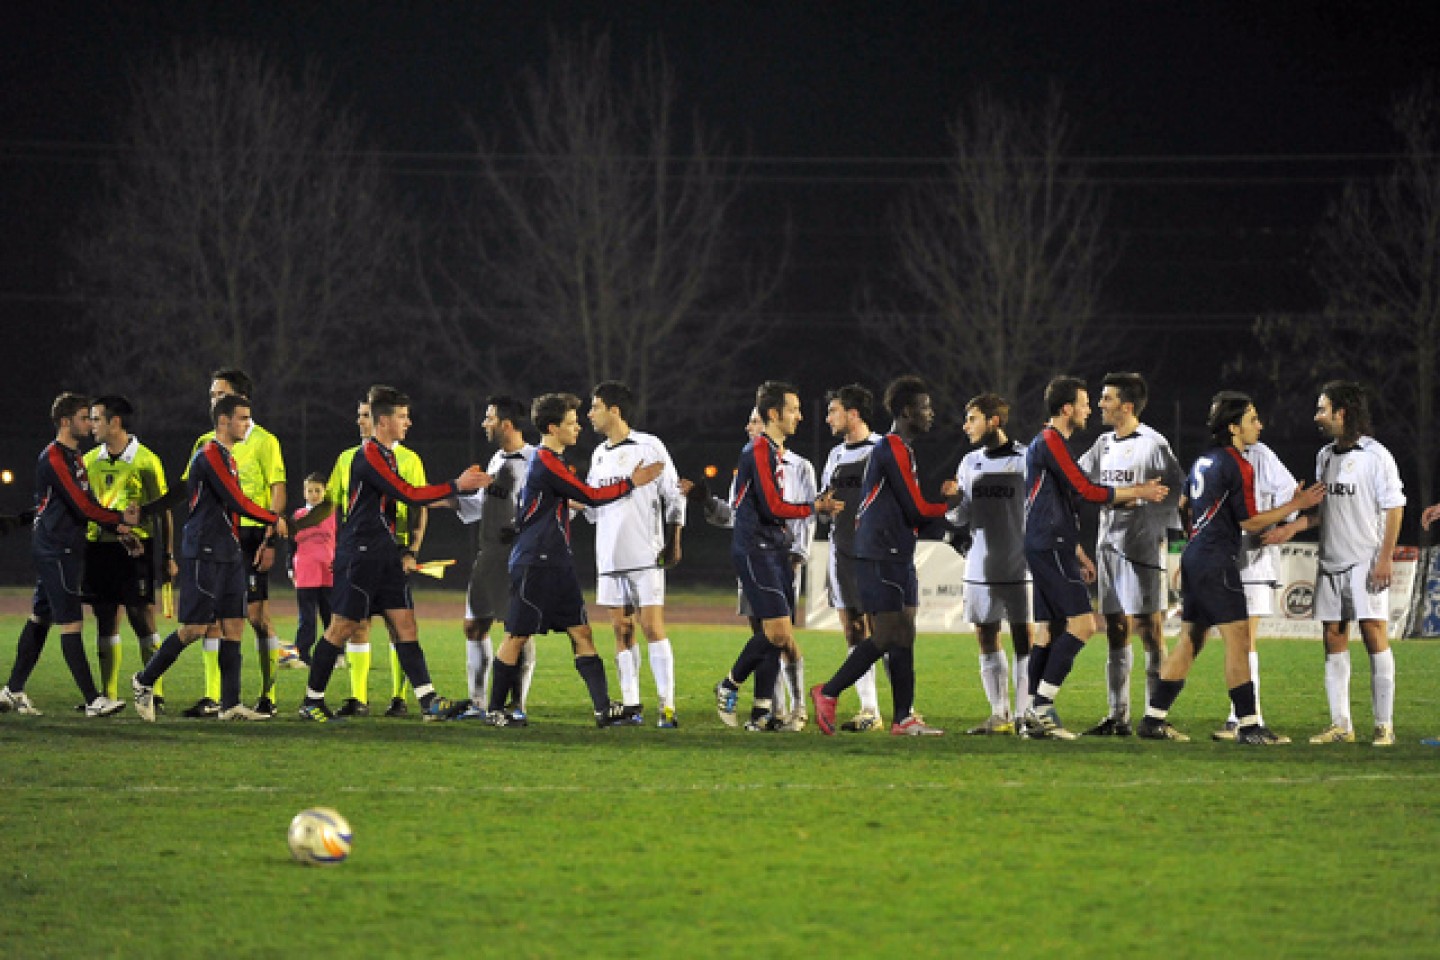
(766,582)
(544,599)
(1211,596)
(887,586)
(1060,588)
(113,577)
(257,584)
(210,591)
(368,582)
(58,585)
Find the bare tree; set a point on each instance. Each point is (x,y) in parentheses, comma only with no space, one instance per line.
(240,225)
(1000,262)
(1377,261)
(602,245)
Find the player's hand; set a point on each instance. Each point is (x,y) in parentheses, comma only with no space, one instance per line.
(1283,533)
(1381,574)
(828,505)
(1307,498)
(132,515)
(473,479)
(1152,491)
(282,527)
(408,562)
(1431,514)
(132,544)
(1087,566)
(647,473)
(670,557)
(949,488)
(697,492)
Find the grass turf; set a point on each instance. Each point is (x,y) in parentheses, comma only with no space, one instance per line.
(120,838)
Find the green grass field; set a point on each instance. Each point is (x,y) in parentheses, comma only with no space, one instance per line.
(126,839)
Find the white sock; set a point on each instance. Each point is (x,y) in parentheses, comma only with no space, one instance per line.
(1022,685)
(794,676)
(210,644)
(1117,681)
(351,647)
(478,655)
(1152,674)
(780,696)
(1382,686)
(627,665)
(1255,681)
(1337,687)
(865,690)
(267,644)
(527,672)
(662,668)
(995,680)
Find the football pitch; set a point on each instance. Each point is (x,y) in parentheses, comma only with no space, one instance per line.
(125,839)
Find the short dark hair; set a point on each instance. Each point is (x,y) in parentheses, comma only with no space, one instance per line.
(226,407)
(1130,387)
(67,405)
(1351,397)
(237,378)
(770,395)
(116,406)
(507,408)
(550,409)
(383,400)
(1061,391)
(615,395)
(991,405)
(902,392)
(853,397)
(1227,409)
(317,477)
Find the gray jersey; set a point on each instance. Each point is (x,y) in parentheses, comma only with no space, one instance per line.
(494,507)
(844,471)
(1135,530)
(1360,485)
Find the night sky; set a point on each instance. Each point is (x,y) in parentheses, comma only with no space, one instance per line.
(1221,128)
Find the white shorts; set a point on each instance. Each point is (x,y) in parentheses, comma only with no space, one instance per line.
(1344,596)
(1127,587)
(1260,599)
(632,588)
(992,603)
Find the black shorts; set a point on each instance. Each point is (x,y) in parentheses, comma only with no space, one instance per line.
(1211,596)
(543,599)
(58,583)
(887,586)
(210,591)
(766,583)
(369,581)
(1060,589)
(257,584)
(114,578)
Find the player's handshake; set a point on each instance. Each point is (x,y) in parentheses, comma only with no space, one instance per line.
(473,479)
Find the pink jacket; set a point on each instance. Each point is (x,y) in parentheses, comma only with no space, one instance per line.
(315,552)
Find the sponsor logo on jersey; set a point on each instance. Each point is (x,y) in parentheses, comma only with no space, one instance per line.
(1337,489)
(1112,477)
(992,490)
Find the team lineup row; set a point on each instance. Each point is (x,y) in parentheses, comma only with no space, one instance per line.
(102,520)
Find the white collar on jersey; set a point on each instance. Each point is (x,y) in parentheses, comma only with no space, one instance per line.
(127,455)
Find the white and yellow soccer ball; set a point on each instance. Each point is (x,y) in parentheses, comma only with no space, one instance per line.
(319,836)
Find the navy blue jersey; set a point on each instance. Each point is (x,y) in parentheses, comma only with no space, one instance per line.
(892,508)
(543,516)
(375,489)
(217,503)
(1054,485)
(1221,489)
(760,511)
(64,505)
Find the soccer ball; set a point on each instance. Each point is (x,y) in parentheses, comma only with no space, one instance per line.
(319,836)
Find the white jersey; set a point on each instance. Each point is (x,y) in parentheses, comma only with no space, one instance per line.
(1360,485)
(992,503)
(494,506)
(1135,530)
(1274,485)
(630,532)
(843,476)
(797,484)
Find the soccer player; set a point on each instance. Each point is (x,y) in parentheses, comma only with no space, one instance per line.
(544,588)
(1359,523)
(64,506)
(410,525)
(487,596)
(760,549)
(121,571)
(213,564)
(636,538)
(1054,483)
(1130,554)
(262,477)
(847,413)
(1258,573)
(997,583)
(369,566)
(1221,495)
(892,510)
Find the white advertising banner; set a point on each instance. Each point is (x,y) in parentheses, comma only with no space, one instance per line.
(940,570)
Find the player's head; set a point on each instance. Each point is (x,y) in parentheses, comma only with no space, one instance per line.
(778,402)
(555,416)
(754,426)
(847,405)
(1061,392)
(502,409)
(1119,389)
(611,403)
(315,488)
(111,413)
(985,416)
(1227,411)
(1343,411)
(391,410)
(230,380)
(365,419)
(907,398)
(68,408)
(231,415)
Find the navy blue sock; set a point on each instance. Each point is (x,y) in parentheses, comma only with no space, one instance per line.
(592,670)
(27,654)
(1039,656)
(756,649)
(767,672)
(1063,650)
(161,660)
(902,681)
(1243,699)
(230,661)
(1166,692)
(412,663)
(72,645)
(503,679)
(861,658)
(322,664)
